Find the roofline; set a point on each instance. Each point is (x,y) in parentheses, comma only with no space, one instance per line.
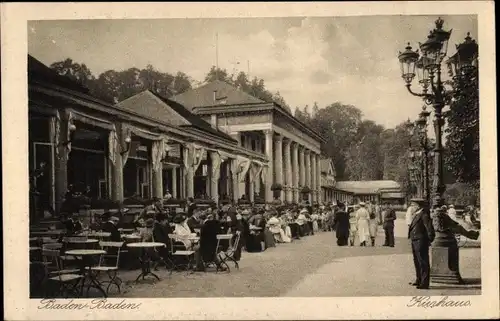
(231,108)
(162,99)
(96,105)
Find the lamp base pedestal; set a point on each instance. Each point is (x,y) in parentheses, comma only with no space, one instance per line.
(445,260)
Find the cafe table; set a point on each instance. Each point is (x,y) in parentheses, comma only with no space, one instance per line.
(85,257)
(145,257)
(99,235)
(51,233)
(126,230)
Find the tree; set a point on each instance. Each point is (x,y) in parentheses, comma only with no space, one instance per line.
(216,73)
(462,140)
(74,71)
(337,124)
(365,159)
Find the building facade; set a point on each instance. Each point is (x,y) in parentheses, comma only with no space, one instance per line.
(140,147)
(292,149)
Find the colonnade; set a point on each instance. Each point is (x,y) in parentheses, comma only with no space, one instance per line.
(292,165)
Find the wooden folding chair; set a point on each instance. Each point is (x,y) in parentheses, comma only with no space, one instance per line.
(113,250)
(188,255)
(228,255)
(66,280)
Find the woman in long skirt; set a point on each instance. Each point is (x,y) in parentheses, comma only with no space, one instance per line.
(363,219)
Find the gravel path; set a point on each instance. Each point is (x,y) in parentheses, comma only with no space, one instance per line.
(268,274)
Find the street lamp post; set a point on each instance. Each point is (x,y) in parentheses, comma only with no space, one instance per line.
(425,152)
(427,65)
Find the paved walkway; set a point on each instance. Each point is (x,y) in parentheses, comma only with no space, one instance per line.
(384,275)
(312,266)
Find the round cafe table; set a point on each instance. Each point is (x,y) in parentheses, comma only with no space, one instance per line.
(126,230)
(99,235)
(145,257)
(85,258)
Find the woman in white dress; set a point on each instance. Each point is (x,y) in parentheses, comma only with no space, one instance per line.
(274,225)
(315,218)
(363,223)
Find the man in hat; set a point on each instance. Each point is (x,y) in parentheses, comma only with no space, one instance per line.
(389,216)
(421,233)
(341,225)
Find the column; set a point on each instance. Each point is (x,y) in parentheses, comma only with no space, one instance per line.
(61,164)
(318,177)
(214,175)
(295,170)
(158,182)
(189,181)
(270,175)
(302,178)
(314,186)
(251,187)
(117,171)
(278,162)
(234,179)
(174,182)
(189,171)
(288,171)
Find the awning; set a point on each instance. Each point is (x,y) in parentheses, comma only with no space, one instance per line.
(392,195)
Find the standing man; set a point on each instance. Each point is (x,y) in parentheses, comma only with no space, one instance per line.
(341,225)
(389,215)
(421,233)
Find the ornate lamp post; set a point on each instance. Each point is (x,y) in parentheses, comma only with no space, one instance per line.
(424,152)
(427,66)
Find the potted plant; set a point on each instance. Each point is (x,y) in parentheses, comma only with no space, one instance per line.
(276,188)
(305,191)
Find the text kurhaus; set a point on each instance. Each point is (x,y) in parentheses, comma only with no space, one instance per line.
(94,304)
(427,302)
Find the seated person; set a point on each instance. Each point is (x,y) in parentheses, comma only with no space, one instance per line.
(73,225)
(274,225)
(161,229)
(146,233)
(111,227)
(193,222)
(208,243)
(256,239)
(182,229)
(302,221)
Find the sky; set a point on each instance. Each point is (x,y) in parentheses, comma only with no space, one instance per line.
(352,60)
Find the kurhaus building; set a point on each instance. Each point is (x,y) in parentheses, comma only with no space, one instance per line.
(292,150)
(211,142)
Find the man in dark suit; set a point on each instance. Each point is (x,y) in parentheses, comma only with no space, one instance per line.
(111,227)
(421,233)
(341,225)
(389,215)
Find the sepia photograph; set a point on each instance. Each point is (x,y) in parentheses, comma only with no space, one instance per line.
(300,156)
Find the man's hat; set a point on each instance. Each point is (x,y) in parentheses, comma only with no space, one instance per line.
(150,222)
(419,201)
(114,219)
(179,218)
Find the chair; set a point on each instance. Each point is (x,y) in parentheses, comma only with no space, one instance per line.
(228,255)
(67,280)
(176,253)
(110,269)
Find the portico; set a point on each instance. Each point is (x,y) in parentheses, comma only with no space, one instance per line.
(293,150)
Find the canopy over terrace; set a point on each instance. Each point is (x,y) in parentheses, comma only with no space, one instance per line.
(292,148)
(375,191)
(65,122)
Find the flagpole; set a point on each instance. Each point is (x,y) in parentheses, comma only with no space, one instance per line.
(217,56)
